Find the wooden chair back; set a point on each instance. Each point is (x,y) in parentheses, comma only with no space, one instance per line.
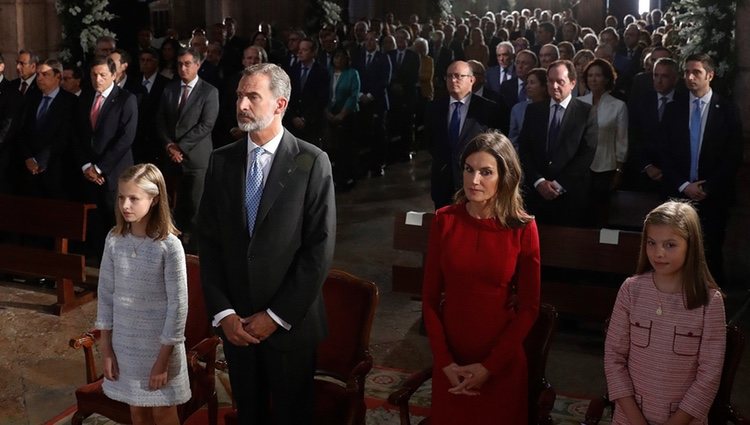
(198,324)
(411,238)
(628,209)
(350,309)
(722,410)
(537,345)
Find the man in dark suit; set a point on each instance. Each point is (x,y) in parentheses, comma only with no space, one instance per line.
(186,117)
(310,81)
(267,227)
(26,64)
(10,112)
(46,134)
(702,150)
(514,90)
(450,123)
(374,69)
(122,61)
(147,147)
(557,144)
(442,57)
(107,124)
(643,170)
(627,60)
(504,70)
(403,95)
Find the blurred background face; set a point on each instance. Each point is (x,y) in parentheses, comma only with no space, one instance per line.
(305,53)
(371,42)
(250,57)
(547,55)
(104,48)
(504,56)
(69,82)
(199,43)
(524,64)
(119,66)
(148,64)
(292,43)
(535,88)
(402,40)
(214,53)
(665,79)
(595,80)
(187,67)
(24,67)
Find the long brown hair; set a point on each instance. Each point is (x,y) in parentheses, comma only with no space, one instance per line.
(683,219)
(150,180)
(508,206)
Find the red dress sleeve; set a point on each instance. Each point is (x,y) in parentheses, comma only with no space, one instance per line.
(528,269)
(433,287)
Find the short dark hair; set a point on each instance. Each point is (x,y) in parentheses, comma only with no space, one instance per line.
(703,58)
(198,57)
(548,27)
(572,76)
(104,61)
(608,71)
(124,55)
(540,74)
(310,40)
(150,51)
(668,62)
(77,72)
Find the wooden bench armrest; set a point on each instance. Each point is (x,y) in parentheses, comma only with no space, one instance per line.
(86,342)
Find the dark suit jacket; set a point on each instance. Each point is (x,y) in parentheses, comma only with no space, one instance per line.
(285,263)
(374,79)
(11,104)
(33,88)
(446,171)
(147,147)
(509,92)
(108,146)
(492,81)
(721,149)
(568,163)
(404,78)
(310,102)
(190,129)
(47,139)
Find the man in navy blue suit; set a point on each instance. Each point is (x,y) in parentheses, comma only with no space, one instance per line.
(702,150)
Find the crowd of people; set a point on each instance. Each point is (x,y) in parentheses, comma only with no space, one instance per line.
(585,114)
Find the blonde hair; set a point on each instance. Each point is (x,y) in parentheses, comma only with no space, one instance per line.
(683,219)
(149,179)
(508,206)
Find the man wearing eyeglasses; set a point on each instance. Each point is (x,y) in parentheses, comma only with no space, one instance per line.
(450,123)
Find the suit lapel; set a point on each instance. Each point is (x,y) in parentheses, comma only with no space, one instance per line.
(283,166)
(236,181)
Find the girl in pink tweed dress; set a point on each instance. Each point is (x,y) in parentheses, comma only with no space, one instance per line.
(665,344)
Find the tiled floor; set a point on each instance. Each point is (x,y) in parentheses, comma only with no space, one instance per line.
(38,372)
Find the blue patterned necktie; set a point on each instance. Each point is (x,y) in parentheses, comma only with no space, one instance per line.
(454,128)
(554,129)
(695,139)
(303,79)
(253,188)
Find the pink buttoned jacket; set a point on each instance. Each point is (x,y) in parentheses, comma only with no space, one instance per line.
(666,361)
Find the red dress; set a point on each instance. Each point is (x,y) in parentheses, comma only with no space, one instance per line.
(472,262)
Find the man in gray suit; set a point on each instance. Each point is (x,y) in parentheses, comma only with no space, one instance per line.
(266,230)
(186,117)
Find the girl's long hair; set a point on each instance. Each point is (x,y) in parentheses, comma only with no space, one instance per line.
(150,180)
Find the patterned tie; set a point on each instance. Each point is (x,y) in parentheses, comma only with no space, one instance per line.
(147,84)
(24,87)
(253,189)
(662,105)
(695,139)
(43,109)
(94,116)
(554,129)
(183,98)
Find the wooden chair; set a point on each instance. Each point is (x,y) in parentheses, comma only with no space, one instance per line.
(411,238)
(30,217)
(344,358)
(201,359)
(541,394)
(722,410)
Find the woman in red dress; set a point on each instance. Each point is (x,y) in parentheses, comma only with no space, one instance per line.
(481,291)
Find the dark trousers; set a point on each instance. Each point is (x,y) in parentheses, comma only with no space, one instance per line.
(372,130)
(272,387)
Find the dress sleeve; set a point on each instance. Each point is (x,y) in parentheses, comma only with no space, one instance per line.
(528,269)
(432,291)
(106,286)
(699,397)
(621,135)
(617,347)
(175,285)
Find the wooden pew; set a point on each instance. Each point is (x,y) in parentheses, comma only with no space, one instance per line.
(407,237)
(57,221)
(628,209)
(580,275)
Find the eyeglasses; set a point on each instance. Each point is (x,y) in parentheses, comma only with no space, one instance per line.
(457,76)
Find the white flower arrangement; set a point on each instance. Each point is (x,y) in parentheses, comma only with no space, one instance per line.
(83,21)
(331,12)
(707,27)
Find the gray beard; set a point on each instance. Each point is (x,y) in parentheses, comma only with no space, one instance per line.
(255,125)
